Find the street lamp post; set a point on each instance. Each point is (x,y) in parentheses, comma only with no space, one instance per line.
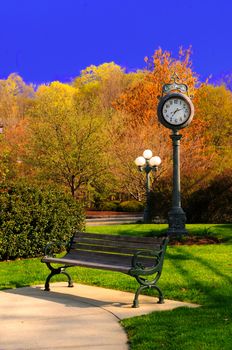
(147,163)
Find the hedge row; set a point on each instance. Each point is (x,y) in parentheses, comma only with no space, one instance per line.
(212,204)
(31,217)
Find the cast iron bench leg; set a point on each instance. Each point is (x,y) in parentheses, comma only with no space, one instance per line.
(70,282)
(161,297)
(141,287)
(56,272)
(136,301)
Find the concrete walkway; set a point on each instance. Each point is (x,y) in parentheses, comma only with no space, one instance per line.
(80,318)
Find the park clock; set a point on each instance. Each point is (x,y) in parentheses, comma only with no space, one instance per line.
(175,110)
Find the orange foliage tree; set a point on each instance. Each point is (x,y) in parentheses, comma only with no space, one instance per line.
(139,102)
(141,98)
(14,162)
(15,97)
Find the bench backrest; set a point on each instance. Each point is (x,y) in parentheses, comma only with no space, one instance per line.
(119,244)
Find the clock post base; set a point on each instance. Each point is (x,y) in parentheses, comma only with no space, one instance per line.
(176,221)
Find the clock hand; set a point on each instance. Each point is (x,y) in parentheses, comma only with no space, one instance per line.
(177,110)
(174,112)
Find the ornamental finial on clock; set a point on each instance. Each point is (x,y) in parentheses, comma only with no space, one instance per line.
(174,86)
(175,77)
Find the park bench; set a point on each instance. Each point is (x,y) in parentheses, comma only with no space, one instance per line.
(139,257)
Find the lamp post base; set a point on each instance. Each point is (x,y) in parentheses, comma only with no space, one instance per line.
(147,215)
(176,221)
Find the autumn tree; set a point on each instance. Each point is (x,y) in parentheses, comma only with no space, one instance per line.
(140,129)
(66,145)
(126,144)
(13,158)
(4,159)
(99,86)
(206,143)
(214,107)
(15,95)
(141,98)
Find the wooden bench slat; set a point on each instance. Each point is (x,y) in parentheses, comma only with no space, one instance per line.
(122,249)
(116,245)
(88,247)
(98,260)
(105,256)
(81,263)
(112,238)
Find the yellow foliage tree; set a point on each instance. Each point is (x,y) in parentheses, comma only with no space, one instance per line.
(65,144)
(15,96)
(214,107)
(100,85)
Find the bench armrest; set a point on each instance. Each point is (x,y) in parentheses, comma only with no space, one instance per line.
(137,265)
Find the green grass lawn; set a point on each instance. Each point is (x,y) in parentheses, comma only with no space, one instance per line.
(198,273)
(220,231)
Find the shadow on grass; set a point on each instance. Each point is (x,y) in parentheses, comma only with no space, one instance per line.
(221,231)
(139,229)
(216,293)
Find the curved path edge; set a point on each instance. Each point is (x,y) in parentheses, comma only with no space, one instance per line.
(83,317)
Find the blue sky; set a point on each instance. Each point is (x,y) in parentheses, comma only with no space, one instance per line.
(47,40)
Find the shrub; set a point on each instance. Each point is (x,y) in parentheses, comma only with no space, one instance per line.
(213,203)
(131,206)
(31,217)
(109,206)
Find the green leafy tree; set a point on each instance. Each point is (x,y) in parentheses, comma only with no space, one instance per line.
(66,145)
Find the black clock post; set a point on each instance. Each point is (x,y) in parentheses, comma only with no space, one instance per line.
(176,216)
(175,111)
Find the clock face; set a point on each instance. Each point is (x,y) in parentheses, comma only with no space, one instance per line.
(176,111)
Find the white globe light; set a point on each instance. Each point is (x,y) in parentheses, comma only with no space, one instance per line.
(147,154)
(140,161)
(155,161)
